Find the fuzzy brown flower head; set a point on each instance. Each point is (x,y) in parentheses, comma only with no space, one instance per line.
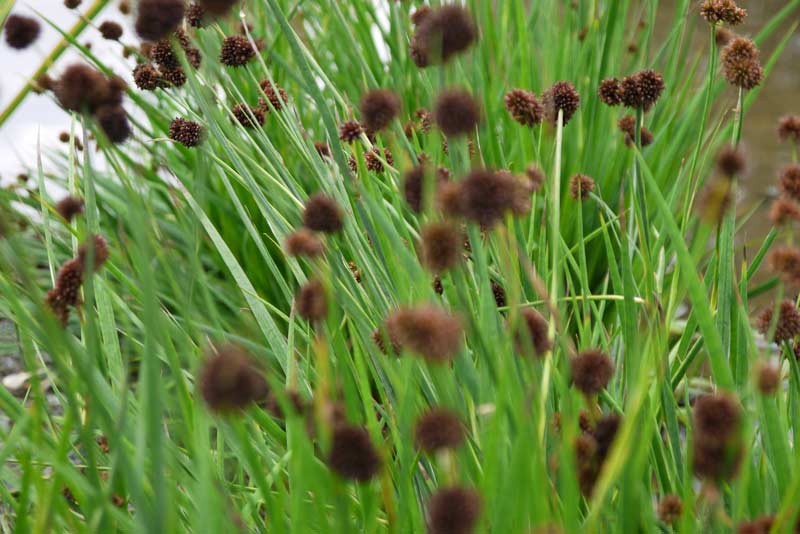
(788,324)
(81,87)
(114,122)
(43,83)
(303,242)
(196,15)
(535,177)
(437,429)
(311,301)
(352,455)
(230,380)
(456,113)
(21,31)
(785,260)
(670,509)
(420,14)
(717,417)
(723,36)
(424,118)
(610,92)
(157,18)
(414,185)
(322,214)
(784,211)
(147,77)
(277,96)
(716,461)
(72,4)
(97,247)
(499,294)
(651,85)
(485,196)
(722,11)
(162,53)
(731,162)
(110,30)
(248,116)
(66,293)
(236,51)
(789,128)
(70,207)
(741,64)
(790,182)
(186,132)
(536,328)
(350,131)
(580,186)
(372,159)
(627,125)
(444,33)
(761,525)
(441,246)
(591,371)
(454,510)
(379,107)
(426,330)
(217,7)
(174,77)
(563,97)
(524,107)
(768,378)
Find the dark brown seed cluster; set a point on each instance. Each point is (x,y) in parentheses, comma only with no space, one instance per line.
(785,260)
(499,294)
(414,185)
(788,322)
(670,509)
(591,450)
(731,161)
(114,122)
(563,97)
(110,30)
(147,77)
(441,246)
(186,132)
(524,107)
(72,4)
(373,157)
(641,90)
(163,54)
(484,196)
(96,247)
(236,51)
(610,92)
(456,113)
(311,301)
(437,429)
(534,336)
(784,211)
(723,36)
(741,64)
(70,207)
(722,11)
(196,15)
(379,108)
(627,126)
(303,242)
(535,177)
(768,378)
(352,455)
(789,128)
(248,116)
(158,18)
(217,7)
(21,31)
(580,186)
(717,443)
(275,95)
(591,371)
(454,510)
(426,330)
(322,214)
(66,291)
(442,34)
(350,131)
(761,525)
(230,380)
(790,182)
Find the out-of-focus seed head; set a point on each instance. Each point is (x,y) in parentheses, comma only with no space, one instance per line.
(485,196)
(426,330)
(72,4)
(230,380)
(789,128)
(110,30)
(217,7)
(186,132)
(524,107)
(311,301)
(437,429)
(147,77)
(785,260)
(535,326)
(303,242)
(372,159)
(414,185)
(114,122)
(124,6)
(444,33)
(352,455)
(441,246)
(563,97)
(43,83)
(768,378)
(670,509)
(454,510)
(731,161)
(627,125)
(248,116)
(722,11)
(741,64)
(322,214)
(717,443)
(581,186)
(784,211)
(499,294)
(535,177)
(67,291)
(350,131)
(591,371)
(276,96)
(761,525)
(81,87)
(70,207)
(157,18)
(723,36)
(97,247)
(610,92)
(456,113)
(788,323)
(196,15)
(790,182)
(420,14)
(21,31)
(379,107)
(236,51)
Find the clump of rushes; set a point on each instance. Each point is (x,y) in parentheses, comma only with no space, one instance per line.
(441,246)
(236,51)
(277,96)
(717,437)
(352,455)
(437,429)
(741,64)
(110,30)
(21,31)
(196,15)
(670,509)
(784,211)
(372,159)
(454,510)
(379,107)
(322,214)
(230,380)
(303,242)
(610,92)
(788,323)
(580,186)
(535,326)
(442,34)
(524,107)
(248,116)
(456,113)
(627,125)
(561,96)
(591,371)
(484,196)
(722,12)
(785,260)
(311,302)
(217,7)
(70,207)
(768,378)
(790,182)
(789,128)
(426,330)
(350,131)
(158,18)
(66,292)
(186,132)
(731,161)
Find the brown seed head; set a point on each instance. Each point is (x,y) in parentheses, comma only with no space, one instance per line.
(248,116)
(311,301)
(741,64)
(456,113)
(350,131)
(762,525)
(437,429)
(426,330)
(67,291)
(114,122)
(441,246)
(731,162)
(147,77)
(379,107)
(723,36)
(352,455)
(563,97)
(322,214)
(524,107)
(157,18)
(535,177)
(110,30)
(717,417)
(21,31)
(499,294)
(627,125)
(454,510)
(420,14)
(784,211)
(580,186)
(670,509)
(788,323)
(790,182)
(217,7)
(591,371)
(651,85)
(81,87)
(444,33)
(722,11)
(372,159)
(97,247)
(277,96)
(485,196)
(236,51)
(610,92)
(768,378)
(303,242)
(72,4)
(535,326)
(789,128)
(69,207)
(196,15)
(186,132)
(174,77)
(785,260)
(230,380)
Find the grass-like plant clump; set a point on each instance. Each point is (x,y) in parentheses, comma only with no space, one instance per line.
(377,266)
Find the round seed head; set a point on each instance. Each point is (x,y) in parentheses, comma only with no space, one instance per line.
(217,7)
(175,77)
(81,87)
(610,92)
(438,429)
(714,460)
(456,113)
(124,6)
(789,128)
(535,177)
(784,211)
(67,291)
(581,186)
(731,162)
(670,509)
(723,36)
(454,510)
(69,207)
(790,182)
(196,15)
(21,31)
(277,97)
(768,378)
(248,116)
(717,417)
(441,246)
(372,159)
(426,330)
(499,294)
(147,77)
(629,92)
(303,242)
(352,455)
(524,107)
(741,64)
(110,30)
(236,51)
(651,85)
(97,247)
(535,326)
(563,97)
(591,371)
(485,196)
(311,301)
(350,131)
(114,122)
(788,323)
(379,108)
(72,4)
(785,260)
(158,18)
(186,132)
(444,33)
(322,214)
(722,11)
(230,380)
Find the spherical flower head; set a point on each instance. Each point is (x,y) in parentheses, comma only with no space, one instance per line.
(303,242)
(114,122)
(67,291)
(175,77)
(731,161)
(70,207)
(627,125)
(499,294)
(311,301)
(670,509)
(768,378)
(379,107)
(248,116)
(485,196)
(610,92)
(524,107)
(789,128)
(580,186)
(651,85)
(373,158)
(322,214)
(456,113)
(437,429)
(426,330)
(96,247)
(538,340)
(788,323)
(186,132)
(591,371)
(441,244)
(722,11)
(196,15)
(563,97)
(158,18)
(784,211)
(352,455)
(110,30)
(790,182)
(785,260)
(217,7)
(717,443)
(420,14)
(21,31)
(236,51)
(741,64)
(723,36)
(454,510)
(275,95)
(147,77)
(444,33)
(81,88)
(535,177)
(72,4)
(350,131)
(230,380)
